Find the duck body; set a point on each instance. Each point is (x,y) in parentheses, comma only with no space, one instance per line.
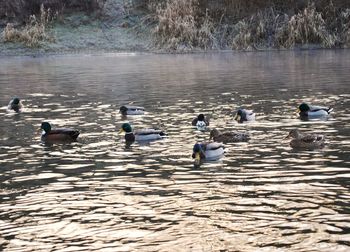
(148,134)
(306,141)
(309,111)
(244,115)
(15,104)
(59,134)
(207,151)
(131,110)
(228,137)
(201,122)
(142,134)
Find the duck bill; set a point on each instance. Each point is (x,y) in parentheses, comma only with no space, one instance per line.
(197,158)
(297,111)
(237,118)
(287,137)
(121,131)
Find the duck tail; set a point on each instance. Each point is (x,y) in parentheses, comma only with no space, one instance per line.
(329,110)
(75,134)
(162,133)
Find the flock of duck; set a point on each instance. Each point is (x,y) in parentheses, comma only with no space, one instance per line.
(212,150)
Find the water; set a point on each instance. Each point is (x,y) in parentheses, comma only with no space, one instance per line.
(98,195)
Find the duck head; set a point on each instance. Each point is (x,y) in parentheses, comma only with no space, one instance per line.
(240,115)
(294,133)
(214,133)
(303,108)
(15,101)
(129,135)
(126,128)
(45,126)
(123,110)
(201,117)
(198,153)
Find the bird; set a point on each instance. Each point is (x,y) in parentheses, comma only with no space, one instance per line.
(15,104)
(207,151)
(131,110)
(59,134)
(201,122)
(228,137)
(305,141)
(140,135)
(308,111)
(243,115)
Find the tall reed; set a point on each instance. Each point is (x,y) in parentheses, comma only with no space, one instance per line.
(33,33)
(182,25)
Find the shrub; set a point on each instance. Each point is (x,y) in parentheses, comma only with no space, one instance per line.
(258,30)
(308,26)
(33,33)
(345,27)
(20,10)
(180,24)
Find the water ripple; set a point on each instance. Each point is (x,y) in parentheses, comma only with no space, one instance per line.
(98,194)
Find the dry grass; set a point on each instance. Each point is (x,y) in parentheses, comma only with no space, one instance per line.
(181,26)
(248,25)
(32,34)
(20,10)
(270,29)
(258,31)
(306,27)
(344,32)
(206,24)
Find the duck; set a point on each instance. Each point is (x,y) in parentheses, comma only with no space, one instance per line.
(131,110)
(244,115)
(305,141)
(140,135)
(228,137)
(308,111)
(59,134)
(15,104)
(207,151)
(201,122)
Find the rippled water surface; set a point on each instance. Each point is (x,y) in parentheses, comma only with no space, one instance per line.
(97,195)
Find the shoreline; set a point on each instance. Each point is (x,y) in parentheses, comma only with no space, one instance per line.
(125,31)
(35,53)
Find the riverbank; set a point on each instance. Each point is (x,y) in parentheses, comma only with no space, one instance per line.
(79,33)
(178,27)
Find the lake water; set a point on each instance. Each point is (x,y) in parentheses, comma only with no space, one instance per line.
(97,195)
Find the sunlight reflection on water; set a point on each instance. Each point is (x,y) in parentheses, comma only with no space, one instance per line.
(96,194)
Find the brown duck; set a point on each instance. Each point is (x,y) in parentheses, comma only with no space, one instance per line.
(228,137)
(305,141)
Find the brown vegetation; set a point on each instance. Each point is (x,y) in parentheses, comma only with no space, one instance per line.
(27,21)
(33,33)
(184,25)
(247,25)
(181,25)
(20,10)
(307,26)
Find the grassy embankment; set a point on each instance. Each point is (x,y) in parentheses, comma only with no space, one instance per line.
(174,25)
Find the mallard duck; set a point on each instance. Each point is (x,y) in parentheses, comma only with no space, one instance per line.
(60,134)
(243,115)
(201,122)
(207,151)
(140,135)
(305,141)
(227,137)
(308,111)
(131,110)
(15,104)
